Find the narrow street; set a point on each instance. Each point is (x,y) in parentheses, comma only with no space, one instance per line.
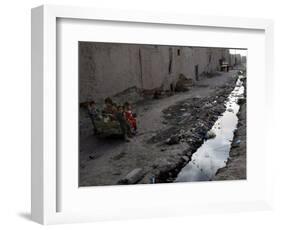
(170,129)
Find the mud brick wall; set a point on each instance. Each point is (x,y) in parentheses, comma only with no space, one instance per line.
(122,71)
(106,69)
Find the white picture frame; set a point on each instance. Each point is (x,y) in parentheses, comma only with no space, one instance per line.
(45,181)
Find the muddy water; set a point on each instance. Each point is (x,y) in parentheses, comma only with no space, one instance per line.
(213,153)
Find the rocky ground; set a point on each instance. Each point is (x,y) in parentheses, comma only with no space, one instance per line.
(235,168)
(170,130)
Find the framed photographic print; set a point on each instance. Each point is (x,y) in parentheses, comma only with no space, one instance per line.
(137,114)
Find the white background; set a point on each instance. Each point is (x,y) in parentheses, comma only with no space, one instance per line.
(15,113)
(109,199)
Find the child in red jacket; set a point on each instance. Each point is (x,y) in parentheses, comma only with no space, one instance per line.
(130,116)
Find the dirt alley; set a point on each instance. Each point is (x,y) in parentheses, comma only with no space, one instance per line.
(170,129)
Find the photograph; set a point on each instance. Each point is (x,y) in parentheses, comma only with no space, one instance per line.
(152,113)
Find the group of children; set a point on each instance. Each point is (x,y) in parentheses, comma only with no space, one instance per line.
(121,113)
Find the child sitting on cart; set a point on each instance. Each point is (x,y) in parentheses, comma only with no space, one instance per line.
(130,117)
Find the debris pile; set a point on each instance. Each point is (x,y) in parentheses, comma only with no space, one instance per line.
(189,122)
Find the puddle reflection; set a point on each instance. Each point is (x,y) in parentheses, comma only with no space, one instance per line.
(213,153)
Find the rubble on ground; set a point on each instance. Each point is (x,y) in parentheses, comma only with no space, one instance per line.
(188,123)
(210,134)
(132,177)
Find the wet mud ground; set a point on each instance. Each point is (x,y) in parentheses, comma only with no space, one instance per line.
(170,129)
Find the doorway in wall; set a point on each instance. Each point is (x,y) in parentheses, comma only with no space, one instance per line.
(196,69)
